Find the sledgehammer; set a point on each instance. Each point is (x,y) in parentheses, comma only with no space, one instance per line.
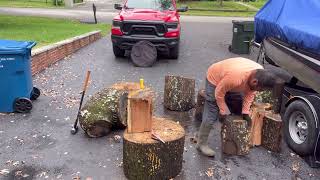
(74,129)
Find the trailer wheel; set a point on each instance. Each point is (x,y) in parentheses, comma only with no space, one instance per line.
(300,128)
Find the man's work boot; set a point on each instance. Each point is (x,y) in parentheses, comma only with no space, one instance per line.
(202,144)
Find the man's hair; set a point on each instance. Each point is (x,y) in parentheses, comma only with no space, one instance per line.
(266,79)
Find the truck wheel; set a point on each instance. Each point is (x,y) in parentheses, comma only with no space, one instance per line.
(300,130)
(118,52)
(174,52)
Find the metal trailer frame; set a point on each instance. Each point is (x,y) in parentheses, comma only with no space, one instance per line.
(304,67)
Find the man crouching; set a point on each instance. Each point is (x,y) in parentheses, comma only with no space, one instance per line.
(229,78)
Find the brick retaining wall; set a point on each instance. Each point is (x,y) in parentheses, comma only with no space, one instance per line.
(45,56)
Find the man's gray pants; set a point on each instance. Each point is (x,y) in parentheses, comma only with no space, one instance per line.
(211,109)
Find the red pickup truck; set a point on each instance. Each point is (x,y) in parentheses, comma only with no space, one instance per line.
(157,21)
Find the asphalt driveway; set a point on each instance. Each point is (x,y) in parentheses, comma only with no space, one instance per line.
(39,145)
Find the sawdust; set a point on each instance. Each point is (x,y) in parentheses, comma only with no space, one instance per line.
(166,129)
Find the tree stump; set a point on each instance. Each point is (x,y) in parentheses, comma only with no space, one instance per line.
(140,110)
(258,111)
(106,110)
(235,136)
(146,158)
(200,105)
(272,132)
(179,93)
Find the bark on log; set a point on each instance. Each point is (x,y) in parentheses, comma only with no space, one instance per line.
(106,110)
(140,108)
(272,132)
(145,158)
(179,93)
(235,136)
(200,105)
(258,111)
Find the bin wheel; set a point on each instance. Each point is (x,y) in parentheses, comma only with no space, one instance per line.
(22,105)
(35,93)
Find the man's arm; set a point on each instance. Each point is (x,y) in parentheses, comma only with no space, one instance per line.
(247,102)
(225,85)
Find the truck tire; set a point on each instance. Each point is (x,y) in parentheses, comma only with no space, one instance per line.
(144,54)
(118,52)
(174,52)
(300,130)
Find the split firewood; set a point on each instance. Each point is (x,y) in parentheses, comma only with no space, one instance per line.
(235,136)
(146,157)
(258,111)
(140,109)
(200,105)
(106,110)
(179,93)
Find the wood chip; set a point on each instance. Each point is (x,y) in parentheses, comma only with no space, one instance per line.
(295,166)
(4,171)
(209,172)
(76,178)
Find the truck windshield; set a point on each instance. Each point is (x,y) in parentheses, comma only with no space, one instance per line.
(150,4)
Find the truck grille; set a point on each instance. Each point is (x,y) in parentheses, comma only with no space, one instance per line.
(143,28)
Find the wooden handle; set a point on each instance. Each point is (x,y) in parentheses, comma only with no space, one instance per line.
(87,81)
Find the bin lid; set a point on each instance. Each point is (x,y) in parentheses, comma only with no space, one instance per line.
(15,47)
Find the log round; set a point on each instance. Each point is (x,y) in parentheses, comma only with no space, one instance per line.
(106,110)
(200,105)
(179,93)
(146,158)
(272,132)
(235,136)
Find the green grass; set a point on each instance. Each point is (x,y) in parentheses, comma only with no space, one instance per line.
(216,13)
(28,3)
(215,5)
(258,4)
(44,30)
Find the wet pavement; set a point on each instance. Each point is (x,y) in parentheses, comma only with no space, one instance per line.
(39,145)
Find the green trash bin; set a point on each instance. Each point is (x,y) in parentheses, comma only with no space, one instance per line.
(243,32)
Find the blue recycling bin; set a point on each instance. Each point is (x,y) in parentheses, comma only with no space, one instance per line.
(16,89)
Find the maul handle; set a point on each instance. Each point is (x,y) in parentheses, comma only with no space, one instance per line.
(87,81)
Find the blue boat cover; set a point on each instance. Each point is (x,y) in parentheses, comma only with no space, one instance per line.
(296,22)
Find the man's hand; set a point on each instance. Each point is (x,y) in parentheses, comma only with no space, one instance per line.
(222,117)
(248,119)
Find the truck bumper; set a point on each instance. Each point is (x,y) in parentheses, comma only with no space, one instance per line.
(161,43)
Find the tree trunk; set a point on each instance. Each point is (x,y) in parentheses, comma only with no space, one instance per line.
(179,93)
(272,132)
(200,105)
(258,111)
(140,111)
(106,110)
(235,136)
(146,158)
